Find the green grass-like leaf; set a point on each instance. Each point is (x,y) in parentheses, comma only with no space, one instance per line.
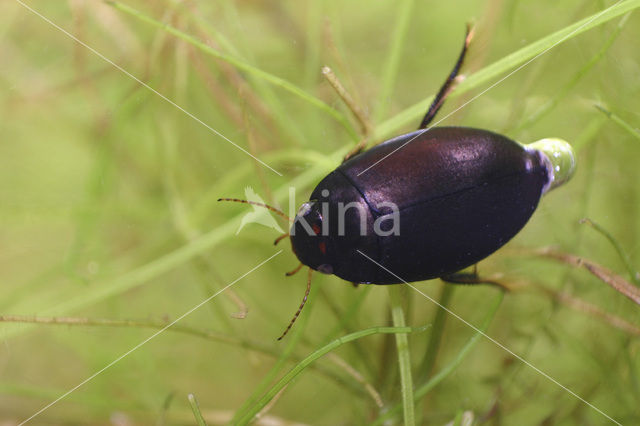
(246,411)
(276,81)
(196,410)
(404,356)
(422,390)
(619,121)
(287,378)
(210,240)
(633,273)
(110,212)
(509,63)
(393,62)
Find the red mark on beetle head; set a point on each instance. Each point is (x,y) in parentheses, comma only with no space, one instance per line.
(323,247)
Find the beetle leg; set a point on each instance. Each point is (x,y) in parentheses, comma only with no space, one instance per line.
(472,277)
(448,83)
(280,238)
(360,146)
(288,274)
(463,278)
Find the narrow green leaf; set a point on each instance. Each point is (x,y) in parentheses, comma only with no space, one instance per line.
(404,356)
(390,73)
(573,81)
(619,121)
(276,81)
(516,59)
(287,378)
(435,335)
(633,274)
(196,410)
(291,341)
(423,389)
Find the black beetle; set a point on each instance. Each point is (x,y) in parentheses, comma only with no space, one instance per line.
(425,204)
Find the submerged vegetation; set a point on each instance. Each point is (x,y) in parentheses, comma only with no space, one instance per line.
(124,122)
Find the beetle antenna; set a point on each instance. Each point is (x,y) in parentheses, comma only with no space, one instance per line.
(304,300)
(280,238)
(446,88)
(295,271)
(254,203)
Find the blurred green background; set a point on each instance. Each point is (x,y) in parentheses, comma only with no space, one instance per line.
(108,211)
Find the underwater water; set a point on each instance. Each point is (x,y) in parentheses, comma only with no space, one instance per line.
(127,287)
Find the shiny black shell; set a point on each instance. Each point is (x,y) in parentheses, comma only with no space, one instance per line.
(461,194)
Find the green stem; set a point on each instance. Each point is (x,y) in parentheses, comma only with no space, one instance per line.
(548,106)
(347,323)
(422,390)
(435,337)
(293,338)
(196,410)
(210,335)
(633,274)
(206,242)
(276,81)
(509,62)
(404,356)
(287,378)
(619,121)
(390,73)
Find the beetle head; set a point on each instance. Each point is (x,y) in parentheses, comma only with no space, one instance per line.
(309,241)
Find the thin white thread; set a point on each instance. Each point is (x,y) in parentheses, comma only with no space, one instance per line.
(94,375)
(127,73)
(488,88)
(503,347)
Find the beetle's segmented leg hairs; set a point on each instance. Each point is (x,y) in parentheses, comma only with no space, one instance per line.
(295,271)
(304,300)
(254,203)
(280,238)
(448,85)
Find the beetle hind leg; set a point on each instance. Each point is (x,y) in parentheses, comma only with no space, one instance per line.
(437,103)
(467,278)
(448,85)
(472,277)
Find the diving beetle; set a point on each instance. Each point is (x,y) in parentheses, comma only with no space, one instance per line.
(425,204)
